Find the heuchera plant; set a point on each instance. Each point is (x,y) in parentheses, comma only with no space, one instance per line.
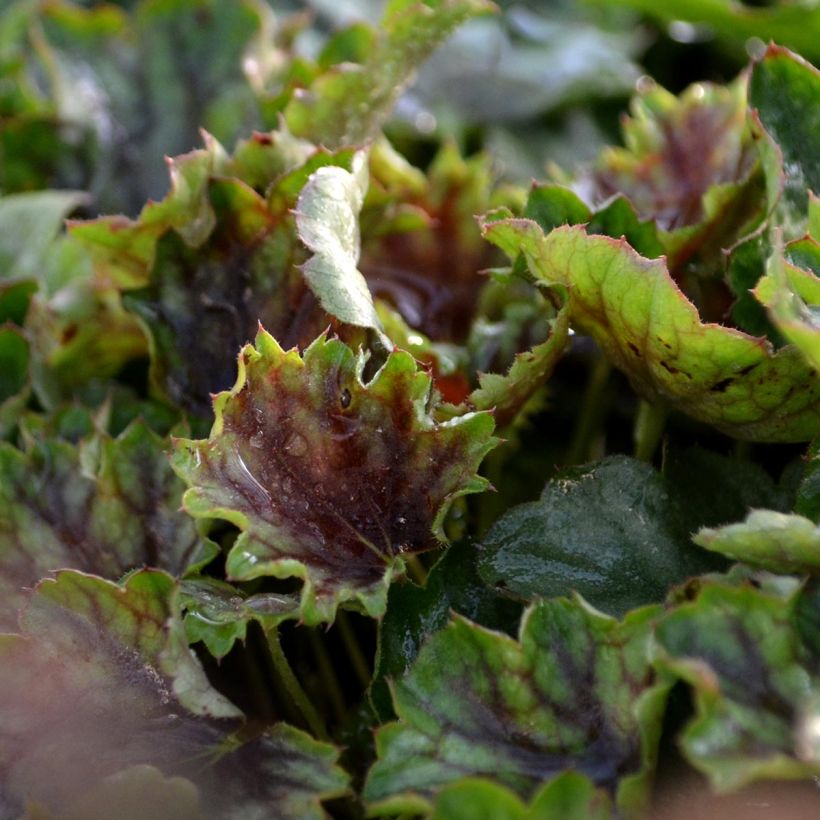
(331,485)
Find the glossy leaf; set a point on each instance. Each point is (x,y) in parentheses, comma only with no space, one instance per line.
(613,532)
(576,692)
(772,540)
(347,105)
(330,479)
(648,329)
(100,681)
(756,703)
(106,508)
(783,89)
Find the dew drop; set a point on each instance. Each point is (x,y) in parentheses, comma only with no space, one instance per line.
(296,445)
(345,399)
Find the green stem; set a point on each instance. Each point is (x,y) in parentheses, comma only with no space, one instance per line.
(649,427)
(354,651)
(417,569)
(591,411)
(292,686)
(328,675)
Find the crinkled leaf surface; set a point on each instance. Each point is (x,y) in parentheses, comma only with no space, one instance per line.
(218,613)
(348,104)
(453,585)
(756,703)
(119,512)
(101,680)
(687,165)
(614,532)
(211,260)
(570,796)
(784,89)
(575,692)
(775,541)
(327,215)
(648,329)
(330,479)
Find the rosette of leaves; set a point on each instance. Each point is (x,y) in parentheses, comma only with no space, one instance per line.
(106,712)
(217,256)
(106,506)
(647,328)
(576,691)
(331,479)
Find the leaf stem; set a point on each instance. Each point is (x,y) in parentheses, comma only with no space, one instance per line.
(327,674)
(292,686)
(354,651)
(649,426)
(417,569)
(591,412)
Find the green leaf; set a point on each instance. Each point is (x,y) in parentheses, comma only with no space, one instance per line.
(15,383)
(327,222)
(775,541)
(107,507)
(331,480)
(783,89)
(29,223)
(576,692)
(611,532)
(101,681)
(205,265)
(347,104)
(218,614)
(569,795)
(647,328)
(808,493)
(453,585)
(756,704)
(792,295)
(735,23)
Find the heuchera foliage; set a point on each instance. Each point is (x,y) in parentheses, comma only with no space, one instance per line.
(346,475)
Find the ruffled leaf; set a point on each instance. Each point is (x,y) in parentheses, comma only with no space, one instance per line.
(756,702)
(648,329)
(575,692)
(107,507)
(331,480)
(100,684)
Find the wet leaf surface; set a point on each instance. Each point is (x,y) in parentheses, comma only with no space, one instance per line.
(330,479)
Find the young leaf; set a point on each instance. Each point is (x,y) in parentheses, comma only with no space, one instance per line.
(331,480)
(15,380)
(101,680)
(775,541)
(756,704)
(575,692)
(327,222)
(347,105)
(107,518)
(648,329)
